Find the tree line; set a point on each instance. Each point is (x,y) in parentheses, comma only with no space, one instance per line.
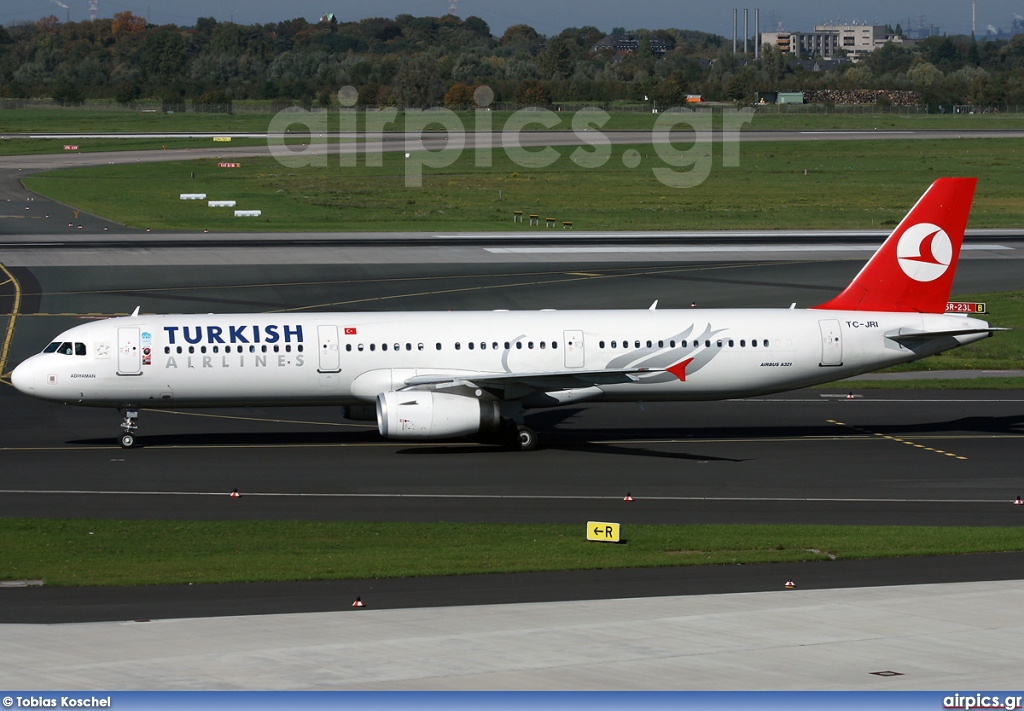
(431,61)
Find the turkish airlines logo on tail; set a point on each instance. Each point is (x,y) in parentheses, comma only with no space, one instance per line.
(924,252)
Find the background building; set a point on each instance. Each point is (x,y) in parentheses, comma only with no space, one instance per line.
(826,40)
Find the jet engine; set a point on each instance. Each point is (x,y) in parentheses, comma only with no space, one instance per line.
(417,414)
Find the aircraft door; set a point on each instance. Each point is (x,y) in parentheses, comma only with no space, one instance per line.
(831,342)
(129,355)
(574,355)
(330,352)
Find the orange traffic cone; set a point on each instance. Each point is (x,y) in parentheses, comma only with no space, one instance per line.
(629,497)
(359,602)
(235,494)
(1018,502)
(790,584)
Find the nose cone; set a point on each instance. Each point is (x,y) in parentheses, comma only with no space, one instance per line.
(23,377)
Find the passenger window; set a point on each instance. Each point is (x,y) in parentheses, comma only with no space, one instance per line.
(348,347)
(179,350)
(288,348)
(419,346)
(554,344)
(191,349)
(649,344)
(383,347)
(373,346)
(470,344)
(408,346)
(661,344)
(507,345)
(52,347)
(637,344)
(438,346)
(600,344)
(494,345)
(765,343)
(519,345)
(398,346)
(202,349)
(718,343)
(543,344)
(613,344)
(707,344)
(79,349)
(252,349)
(672,344)
(167,350)
(753,344)
(483,346)
(530,345)
(731,343)
(457,345)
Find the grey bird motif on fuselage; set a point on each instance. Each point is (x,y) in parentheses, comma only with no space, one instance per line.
(659,358)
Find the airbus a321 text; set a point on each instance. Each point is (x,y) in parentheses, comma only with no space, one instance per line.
(453,374)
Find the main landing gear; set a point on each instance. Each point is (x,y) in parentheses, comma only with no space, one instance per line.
(526,440)
(128,425)
(517,437)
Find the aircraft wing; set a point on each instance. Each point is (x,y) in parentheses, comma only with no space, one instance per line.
(558,380)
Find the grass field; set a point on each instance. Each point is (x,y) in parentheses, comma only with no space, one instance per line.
(57,119)
(862,184)
(104,552)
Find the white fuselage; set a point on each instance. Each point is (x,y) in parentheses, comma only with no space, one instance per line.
(350,358)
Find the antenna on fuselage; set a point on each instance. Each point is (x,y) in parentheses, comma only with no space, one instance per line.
(136,311)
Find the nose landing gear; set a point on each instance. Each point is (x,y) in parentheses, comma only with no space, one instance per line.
(128,425)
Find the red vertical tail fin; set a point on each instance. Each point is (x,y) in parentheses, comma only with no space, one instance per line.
(913,270)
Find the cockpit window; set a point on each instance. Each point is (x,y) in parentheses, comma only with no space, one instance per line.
(79,349)
(65,349)
(52,347)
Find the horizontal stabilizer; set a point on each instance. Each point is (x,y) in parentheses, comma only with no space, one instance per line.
(906,334)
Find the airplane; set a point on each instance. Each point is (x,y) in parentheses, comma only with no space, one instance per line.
(437,375)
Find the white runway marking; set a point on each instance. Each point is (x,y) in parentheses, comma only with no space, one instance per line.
(513,497)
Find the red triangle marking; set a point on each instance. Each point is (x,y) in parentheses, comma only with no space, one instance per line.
(679,369)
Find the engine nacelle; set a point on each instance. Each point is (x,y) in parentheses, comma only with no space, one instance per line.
(417,414)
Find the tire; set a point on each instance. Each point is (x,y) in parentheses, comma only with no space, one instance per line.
(127,441)
(527,439)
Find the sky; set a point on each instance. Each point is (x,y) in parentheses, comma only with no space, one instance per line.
(550,17)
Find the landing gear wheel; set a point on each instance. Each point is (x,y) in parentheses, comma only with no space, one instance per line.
(527,439)
(128,426)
